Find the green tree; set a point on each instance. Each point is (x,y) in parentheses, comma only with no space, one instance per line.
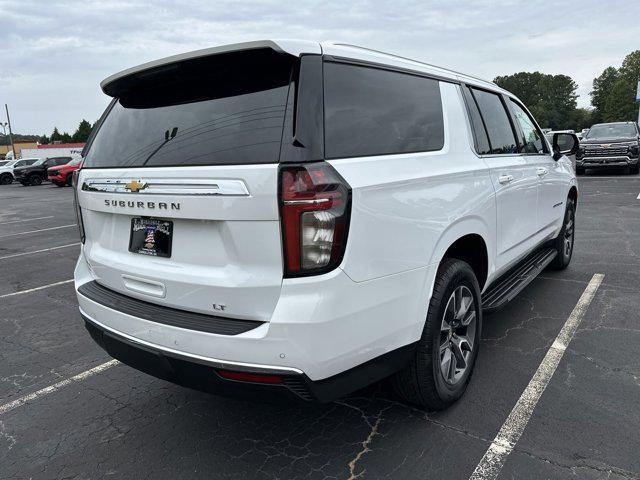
(619,105)
(55,135)
(580,118)
(614,91)
(601,89)
(43,140)
(551,98)
(523,84)
(83,131)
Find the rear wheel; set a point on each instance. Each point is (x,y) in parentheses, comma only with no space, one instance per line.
(35,180)
(6,179)
(442,365)
(565,239)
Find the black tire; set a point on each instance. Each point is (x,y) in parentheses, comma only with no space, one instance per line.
(423,382)
(60,184)
(69,181)
(24,184)
(565,240)
(6,179)
(35,180)
(635,169)
(579,170)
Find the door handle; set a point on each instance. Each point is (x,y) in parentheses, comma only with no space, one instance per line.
(504,179)
(542,171)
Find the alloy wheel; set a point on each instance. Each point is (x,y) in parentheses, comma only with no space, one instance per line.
(568,235)
(457,334)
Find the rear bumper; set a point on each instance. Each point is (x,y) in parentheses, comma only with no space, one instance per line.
(322,327)
(201,374)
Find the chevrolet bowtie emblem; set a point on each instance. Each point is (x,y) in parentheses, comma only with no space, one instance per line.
(135,186)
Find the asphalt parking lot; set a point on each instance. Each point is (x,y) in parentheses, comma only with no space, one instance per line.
(60,417)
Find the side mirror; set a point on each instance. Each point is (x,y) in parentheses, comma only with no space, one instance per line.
(564,144)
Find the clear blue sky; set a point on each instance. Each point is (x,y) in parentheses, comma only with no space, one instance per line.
(55,53)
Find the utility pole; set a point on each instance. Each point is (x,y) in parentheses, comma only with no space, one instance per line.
(10,133)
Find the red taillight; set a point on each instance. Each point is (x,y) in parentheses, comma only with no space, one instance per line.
(250,377)
(315,205)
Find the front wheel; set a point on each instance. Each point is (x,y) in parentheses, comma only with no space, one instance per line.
(35,180)
(579,170)
(6,179)
(635,169)
(565,239)
(441,367)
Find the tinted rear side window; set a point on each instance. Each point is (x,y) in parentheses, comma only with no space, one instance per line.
(497,122)
(479,132)
(222,110)
(370,111)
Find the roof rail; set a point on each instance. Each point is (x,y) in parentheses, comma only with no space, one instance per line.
(416,61)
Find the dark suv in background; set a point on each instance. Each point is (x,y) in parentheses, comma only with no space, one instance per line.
(610,145)
(36,173)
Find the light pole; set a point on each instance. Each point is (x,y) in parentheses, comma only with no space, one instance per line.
(10,134)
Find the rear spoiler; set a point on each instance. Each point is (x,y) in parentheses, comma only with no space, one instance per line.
(118,82)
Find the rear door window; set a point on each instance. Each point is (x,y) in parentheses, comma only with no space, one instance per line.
(496,119)
(479,132)
(370,111)
(226,109)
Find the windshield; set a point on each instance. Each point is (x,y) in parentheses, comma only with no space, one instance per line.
(612,130)
(221,110)
(2,164)
(75,162)
(37,162)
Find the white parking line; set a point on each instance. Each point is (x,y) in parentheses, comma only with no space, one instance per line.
(26,220)
(36,231)
(22,292)
(39,251)
(512,429)
(638,197)
(7,407)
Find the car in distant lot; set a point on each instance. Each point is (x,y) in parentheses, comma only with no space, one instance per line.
(7,167)
(36,173)
(61,174)
(610,145)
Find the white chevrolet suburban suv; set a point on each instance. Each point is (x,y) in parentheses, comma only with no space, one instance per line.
(304,219)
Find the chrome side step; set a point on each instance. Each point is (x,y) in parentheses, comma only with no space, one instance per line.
(514,281)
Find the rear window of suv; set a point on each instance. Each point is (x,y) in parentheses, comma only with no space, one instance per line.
(371,111)
(226,109)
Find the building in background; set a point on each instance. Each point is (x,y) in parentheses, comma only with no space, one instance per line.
(54,150)
(19,145)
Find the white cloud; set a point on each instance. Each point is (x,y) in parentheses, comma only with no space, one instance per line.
(54,54)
